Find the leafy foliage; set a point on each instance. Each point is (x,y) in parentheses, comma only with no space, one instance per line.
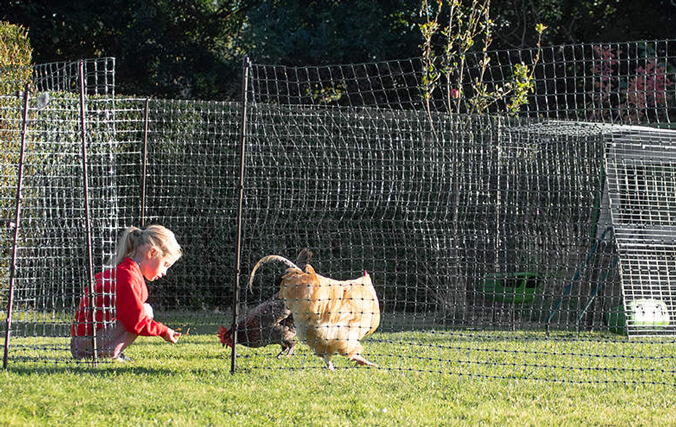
(451,29)
(293,32)
(620,94)
(15,72)
(167,48)
(193,48)
(581,21)
(15,58)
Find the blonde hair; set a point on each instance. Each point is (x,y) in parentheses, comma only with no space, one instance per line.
(157,236)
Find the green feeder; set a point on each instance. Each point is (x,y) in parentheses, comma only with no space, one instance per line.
(516,288)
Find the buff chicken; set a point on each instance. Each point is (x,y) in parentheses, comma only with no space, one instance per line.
(331,316)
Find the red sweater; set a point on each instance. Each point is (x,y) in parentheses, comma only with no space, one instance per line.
(128,292)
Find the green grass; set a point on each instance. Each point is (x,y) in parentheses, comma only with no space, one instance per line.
(190,384)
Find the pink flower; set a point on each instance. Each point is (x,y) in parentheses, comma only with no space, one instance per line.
(649,87)
(604,66)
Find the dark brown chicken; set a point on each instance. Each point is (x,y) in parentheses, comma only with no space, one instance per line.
(269,323)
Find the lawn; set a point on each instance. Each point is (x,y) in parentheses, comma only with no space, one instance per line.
(190,384)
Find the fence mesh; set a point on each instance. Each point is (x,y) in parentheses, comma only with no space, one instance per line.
(98,76)
(495,244)
(621,83)
(54,233)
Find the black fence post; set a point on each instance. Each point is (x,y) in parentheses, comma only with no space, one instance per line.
(17,219)
(85,176)
(238,245)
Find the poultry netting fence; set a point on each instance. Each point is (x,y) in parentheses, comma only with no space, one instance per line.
(492,242)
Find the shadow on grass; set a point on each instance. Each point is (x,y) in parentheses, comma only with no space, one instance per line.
(113,368)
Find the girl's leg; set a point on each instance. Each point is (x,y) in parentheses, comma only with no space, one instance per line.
(115,340)
(81,347)
(110,342)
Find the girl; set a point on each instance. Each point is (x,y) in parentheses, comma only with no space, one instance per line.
(120,301)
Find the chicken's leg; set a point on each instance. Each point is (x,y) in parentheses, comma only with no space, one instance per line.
(329,365)
(360,361)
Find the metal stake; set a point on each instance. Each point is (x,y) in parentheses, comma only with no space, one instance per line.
(17,218)
(85,176)
(238,249)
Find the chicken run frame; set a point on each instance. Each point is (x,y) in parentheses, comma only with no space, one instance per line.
(541,246)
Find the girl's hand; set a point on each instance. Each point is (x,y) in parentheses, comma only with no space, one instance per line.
(171,336)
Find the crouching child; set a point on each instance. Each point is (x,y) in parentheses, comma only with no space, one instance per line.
(121,309)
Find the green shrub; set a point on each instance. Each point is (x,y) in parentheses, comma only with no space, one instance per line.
(15,58)
(15,72)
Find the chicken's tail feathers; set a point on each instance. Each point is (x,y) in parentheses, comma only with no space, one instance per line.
(224,336)
(304,258)
(268,258)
